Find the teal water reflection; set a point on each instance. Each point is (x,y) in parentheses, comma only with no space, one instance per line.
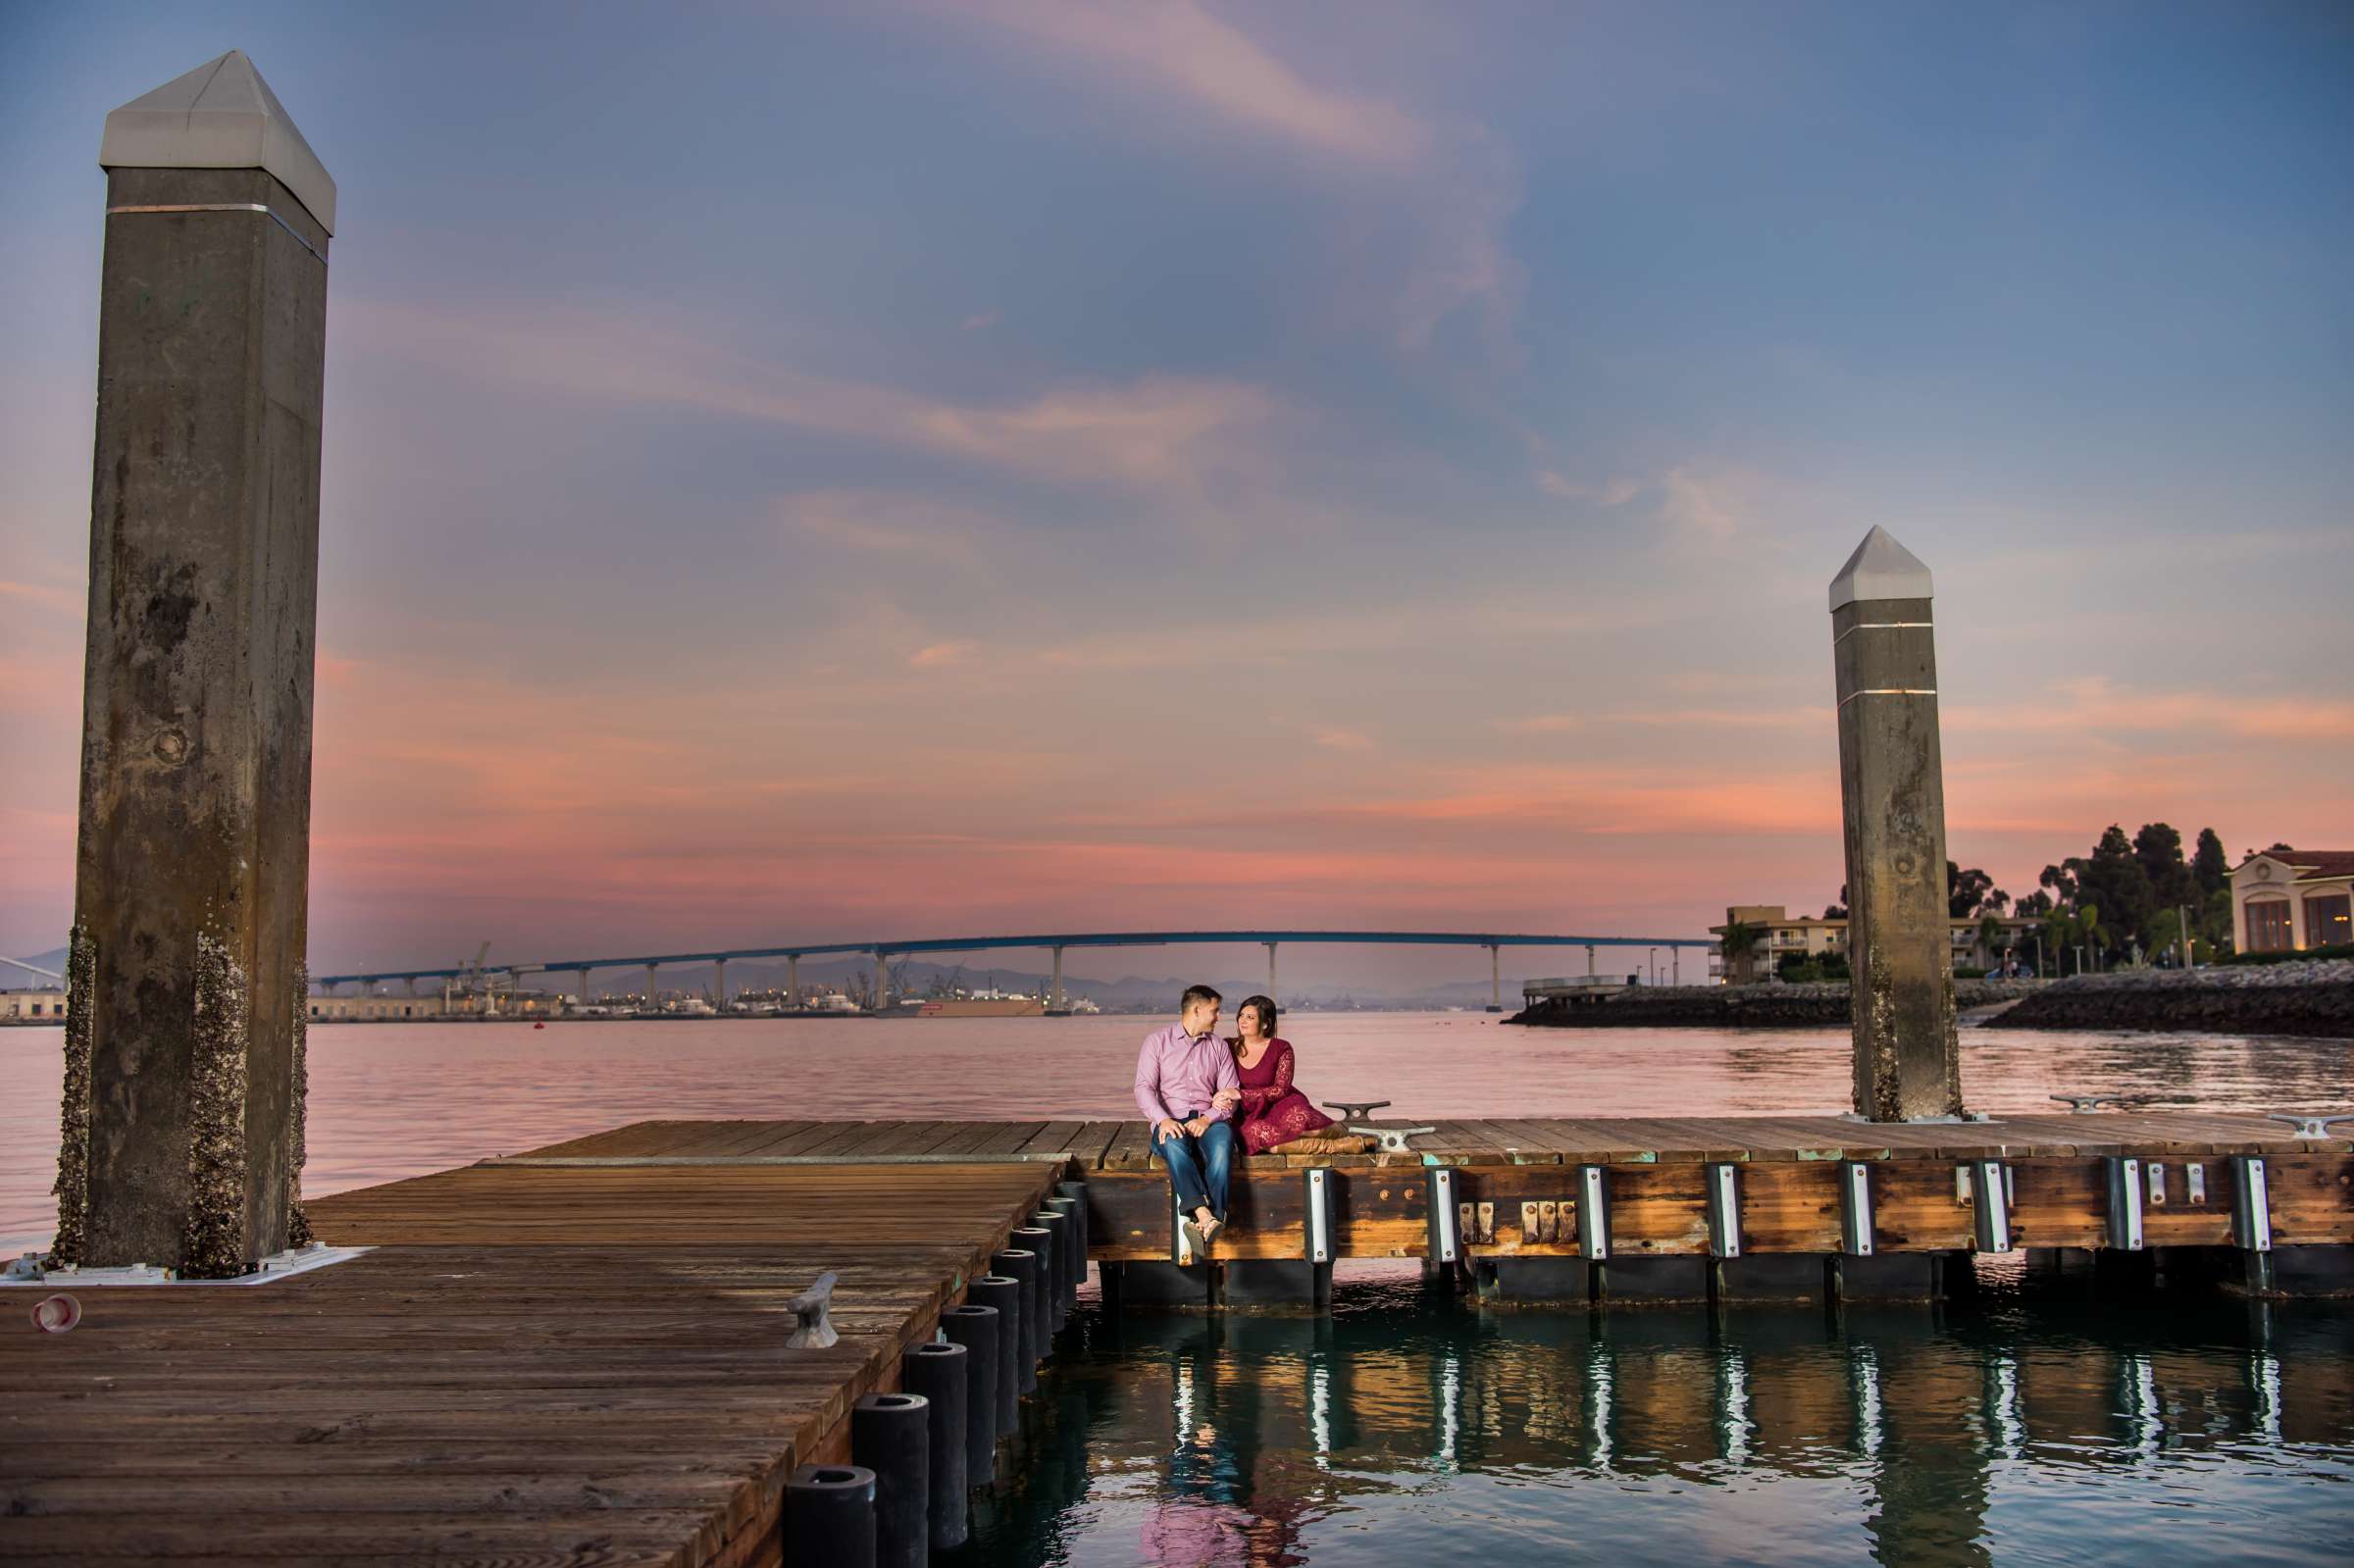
(2029,1426)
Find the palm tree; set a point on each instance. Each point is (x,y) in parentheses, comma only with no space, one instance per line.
(1740,939)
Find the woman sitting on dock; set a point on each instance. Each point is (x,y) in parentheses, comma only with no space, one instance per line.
(1272,1112)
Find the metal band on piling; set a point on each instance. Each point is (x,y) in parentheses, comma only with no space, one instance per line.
(1990,1201)
(1317,1205)
(1855,1209)
(1593,1214)
(1445,1244)
(2251,1204)
(2124,1202)
(1724,1211)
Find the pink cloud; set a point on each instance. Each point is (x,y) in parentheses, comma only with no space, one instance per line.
(1181,49)
(1153,431)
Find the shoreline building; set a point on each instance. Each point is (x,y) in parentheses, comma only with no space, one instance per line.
(44,1004)
(2292,900)
(1782,935)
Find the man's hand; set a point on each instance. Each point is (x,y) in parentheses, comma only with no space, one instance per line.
(1164,1130)
(1198,1125)
(1226,1099)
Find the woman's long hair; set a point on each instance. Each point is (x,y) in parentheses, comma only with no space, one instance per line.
(1266,1017)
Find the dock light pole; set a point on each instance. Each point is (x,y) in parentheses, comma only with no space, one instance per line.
(182,1125)
(1892,792)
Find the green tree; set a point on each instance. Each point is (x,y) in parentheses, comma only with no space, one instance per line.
(2207,866)
(2158,848)
(1740,938)
(1967,891)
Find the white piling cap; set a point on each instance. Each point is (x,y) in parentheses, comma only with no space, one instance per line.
(222,115)
(1880,569)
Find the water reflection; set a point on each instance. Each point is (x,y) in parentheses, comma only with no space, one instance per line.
(1397,1429)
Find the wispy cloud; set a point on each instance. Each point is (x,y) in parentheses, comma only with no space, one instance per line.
(1181,49)
(1151,431)
(1334,739)
(2095,704)
(941,655)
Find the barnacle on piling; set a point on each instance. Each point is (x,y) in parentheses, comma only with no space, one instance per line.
(73,1186)
(212,1238)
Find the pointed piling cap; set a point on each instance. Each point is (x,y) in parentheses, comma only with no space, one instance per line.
(222,115)
(1880,569)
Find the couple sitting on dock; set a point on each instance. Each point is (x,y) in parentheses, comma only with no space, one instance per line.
(1192,1086)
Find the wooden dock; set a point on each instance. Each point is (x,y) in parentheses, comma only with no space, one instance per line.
(534,1365)
(575,1356)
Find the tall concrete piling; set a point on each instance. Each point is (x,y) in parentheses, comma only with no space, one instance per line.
(183,1118)
(1892,788)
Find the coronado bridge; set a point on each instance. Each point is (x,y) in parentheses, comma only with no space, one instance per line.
(881,952)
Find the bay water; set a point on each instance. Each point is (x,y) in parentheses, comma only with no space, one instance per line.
(2029,1424)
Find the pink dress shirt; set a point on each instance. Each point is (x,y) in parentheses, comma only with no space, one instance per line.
(1175,1072)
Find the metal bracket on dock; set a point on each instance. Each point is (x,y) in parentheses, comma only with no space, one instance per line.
(1392,1140)
(1855,1209)
(2196,1180)
(2156,1173)
(1445,1245)
(1990,1202)
(2124,1202)
(2251,1204)
(2309,1126)
(1724,1211)
(1316,1242)
(1356,1110)
(1593,1213)
(816,1330)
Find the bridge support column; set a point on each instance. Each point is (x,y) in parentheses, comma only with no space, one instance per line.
(651,980)
(1055,997)
(1892,788)
(719,984)
(584,985)
(1589,960)
(1273,995)
(1675,966)
(881,980)
(1495,976)
(792,980)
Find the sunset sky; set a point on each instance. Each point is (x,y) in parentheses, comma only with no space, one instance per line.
(826,472)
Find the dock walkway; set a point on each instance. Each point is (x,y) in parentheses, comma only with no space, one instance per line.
(575,1356)
(534,1365)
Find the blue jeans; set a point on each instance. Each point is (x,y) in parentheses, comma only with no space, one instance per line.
(1198,1166)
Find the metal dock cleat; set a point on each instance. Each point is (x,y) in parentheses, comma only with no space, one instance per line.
(1356,1110)
(815,1331)
(2311,1125)
(1390,1139)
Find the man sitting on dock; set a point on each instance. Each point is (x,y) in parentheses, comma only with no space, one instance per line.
(1187,1086)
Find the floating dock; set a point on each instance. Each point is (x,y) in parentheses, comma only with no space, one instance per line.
(577,1354)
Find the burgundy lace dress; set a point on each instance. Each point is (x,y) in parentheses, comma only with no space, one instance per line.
(1272,1111)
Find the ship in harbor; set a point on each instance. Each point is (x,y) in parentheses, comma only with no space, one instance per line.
(981,1007)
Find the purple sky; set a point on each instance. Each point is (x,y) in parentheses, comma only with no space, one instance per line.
(824,472)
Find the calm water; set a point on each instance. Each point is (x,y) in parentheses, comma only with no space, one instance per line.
(2018,1429)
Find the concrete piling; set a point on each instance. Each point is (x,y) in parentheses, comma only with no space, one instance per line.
(1892,789)
(830,1516)
(938,1373)
(1001,1292)
(974,1326)
(890,1436)
(191,898)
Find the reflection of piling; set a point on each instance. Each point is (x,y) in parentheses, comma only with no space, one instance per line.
(1892,789)
(191,882)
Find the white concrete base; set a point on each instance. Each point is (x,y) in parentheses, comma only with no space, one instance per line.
(27,1270)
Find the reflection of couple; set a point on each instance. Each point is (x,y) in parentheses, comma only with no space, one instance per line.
(1189,1083)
